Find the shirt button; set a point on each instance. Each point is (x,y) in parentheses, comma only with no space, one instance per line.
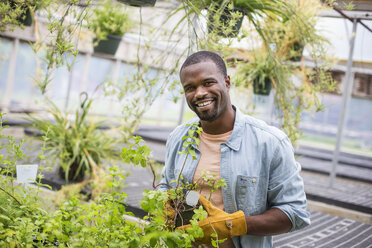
(253,180)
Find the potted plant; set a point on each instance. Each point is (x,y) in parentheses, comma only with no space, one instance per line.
(139,3)
(259,71)
(226,21)
(28,8)
(225,17)
(292,33)
(109,22)
(79,147)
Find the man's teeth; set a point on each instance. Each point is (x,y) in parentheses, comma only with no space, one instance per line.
(204,103)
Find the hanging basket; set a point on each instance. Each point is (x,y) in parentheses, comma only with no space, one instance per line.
(298,49)
(262,89)
(25,18)
(224,20)
(139,3)
(109,46)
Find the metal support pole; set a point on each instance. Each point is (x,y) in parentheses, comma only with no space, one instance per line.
(192,44)
(11,73)
(346,95)
(70,77)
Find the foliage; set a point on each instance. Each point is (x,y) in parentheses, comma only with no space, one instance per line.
(153,201)
(13,12)
(100,223)
(296,86)
(79,147)
(109,18)
(260,66)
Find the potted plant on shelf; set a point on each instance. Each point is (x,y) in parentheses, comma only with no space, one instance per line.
(109,23)
(79,147)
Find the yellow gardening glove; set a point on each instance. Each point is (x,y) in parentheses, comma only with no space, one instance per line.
(223,224)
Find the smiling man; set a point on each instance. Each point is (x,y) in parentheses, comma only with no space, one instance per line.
(264,195)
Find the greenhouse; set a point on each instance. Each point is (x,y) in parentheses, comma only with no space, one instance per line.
(185,123)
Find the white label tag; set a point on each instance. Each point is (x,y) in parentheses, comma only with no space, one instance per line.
(192,198)
(26,173)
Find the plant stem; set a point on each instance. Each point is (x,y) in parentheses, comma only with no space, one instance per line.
(179,176)
(11,196)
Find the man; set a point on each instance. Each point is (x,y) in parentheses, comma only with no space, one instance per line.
(255,160)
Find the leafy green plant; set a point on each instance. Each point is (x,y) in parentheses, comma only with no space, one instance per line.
(296,86)
(14,12)
(78,147)
(169,210)
(260,69)
(109,18)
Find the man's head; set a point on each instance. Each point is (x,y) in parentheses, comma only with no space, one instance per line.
(203,56)
(206,84)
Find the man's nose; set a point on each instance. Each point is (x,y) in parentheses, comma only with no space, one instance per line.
(200,92)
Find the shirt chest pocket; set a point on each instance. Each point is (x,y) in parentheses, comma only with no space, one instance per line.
(251,194)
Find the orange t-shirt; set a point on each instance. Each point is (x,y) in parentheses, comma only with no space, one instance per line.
(210,161)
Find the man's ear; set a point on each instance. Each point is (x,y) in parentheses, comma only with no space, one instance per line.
(227,81)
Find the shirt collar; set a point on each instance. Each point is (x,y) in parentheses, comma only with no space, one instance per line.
(235,139)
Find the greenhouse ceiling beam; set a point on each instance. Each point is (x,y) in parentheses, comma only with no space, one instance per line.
(346,96)
(362,15)
(350,15)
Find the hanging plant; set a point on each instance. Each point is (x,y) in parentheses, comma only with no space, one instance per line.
(139,3)
(109,23)
(297,88)
(226,21)
(259,71)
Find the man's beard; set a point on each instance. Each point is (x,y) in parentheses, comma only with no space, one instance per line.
(207,116)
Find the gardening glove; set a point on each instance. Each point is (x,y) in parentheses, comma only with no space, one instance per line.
(223,224)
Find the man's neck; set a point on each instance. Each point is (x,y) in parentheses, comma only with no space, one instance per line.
(222,124)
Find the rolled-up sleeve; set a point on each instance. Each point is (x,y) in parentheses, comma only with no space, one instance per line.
(286,187)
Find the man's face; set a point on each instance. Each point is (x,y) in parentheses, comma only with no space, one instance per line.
(206,90)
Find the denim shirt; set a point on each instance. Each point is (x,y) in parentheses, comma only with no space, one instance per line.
(258,165)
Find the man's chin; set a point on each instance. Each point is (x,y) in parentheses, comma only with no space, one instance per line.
(207,116)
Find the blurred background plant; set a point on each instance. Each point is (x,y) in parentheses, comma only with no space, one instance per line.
(79,147)
(296,84)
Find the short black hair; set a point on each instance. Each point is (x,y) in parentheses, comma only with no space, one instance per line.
(203,56)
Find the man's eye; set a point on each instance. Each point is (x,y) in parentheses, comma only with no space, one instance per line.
(187,89)
(208,83)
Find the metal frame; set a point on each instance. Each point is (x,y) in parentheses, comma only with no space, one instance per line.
(356,18)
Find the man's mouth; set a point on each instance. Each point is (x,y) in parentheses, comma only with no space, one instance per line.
(202,104)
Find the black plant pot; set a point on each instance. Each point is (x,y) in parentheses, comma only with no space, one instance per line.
(108,46)
(185,215)
(298,47)
(25,18)
(262,89)
(225,19)
(139,3)
(73,174)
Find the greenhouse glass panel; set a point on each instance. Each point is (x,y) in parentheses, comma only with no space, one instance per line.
(25,91)
(5,52)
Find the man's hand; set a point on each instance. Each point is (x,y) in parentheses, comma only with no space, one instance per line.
(224,225)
